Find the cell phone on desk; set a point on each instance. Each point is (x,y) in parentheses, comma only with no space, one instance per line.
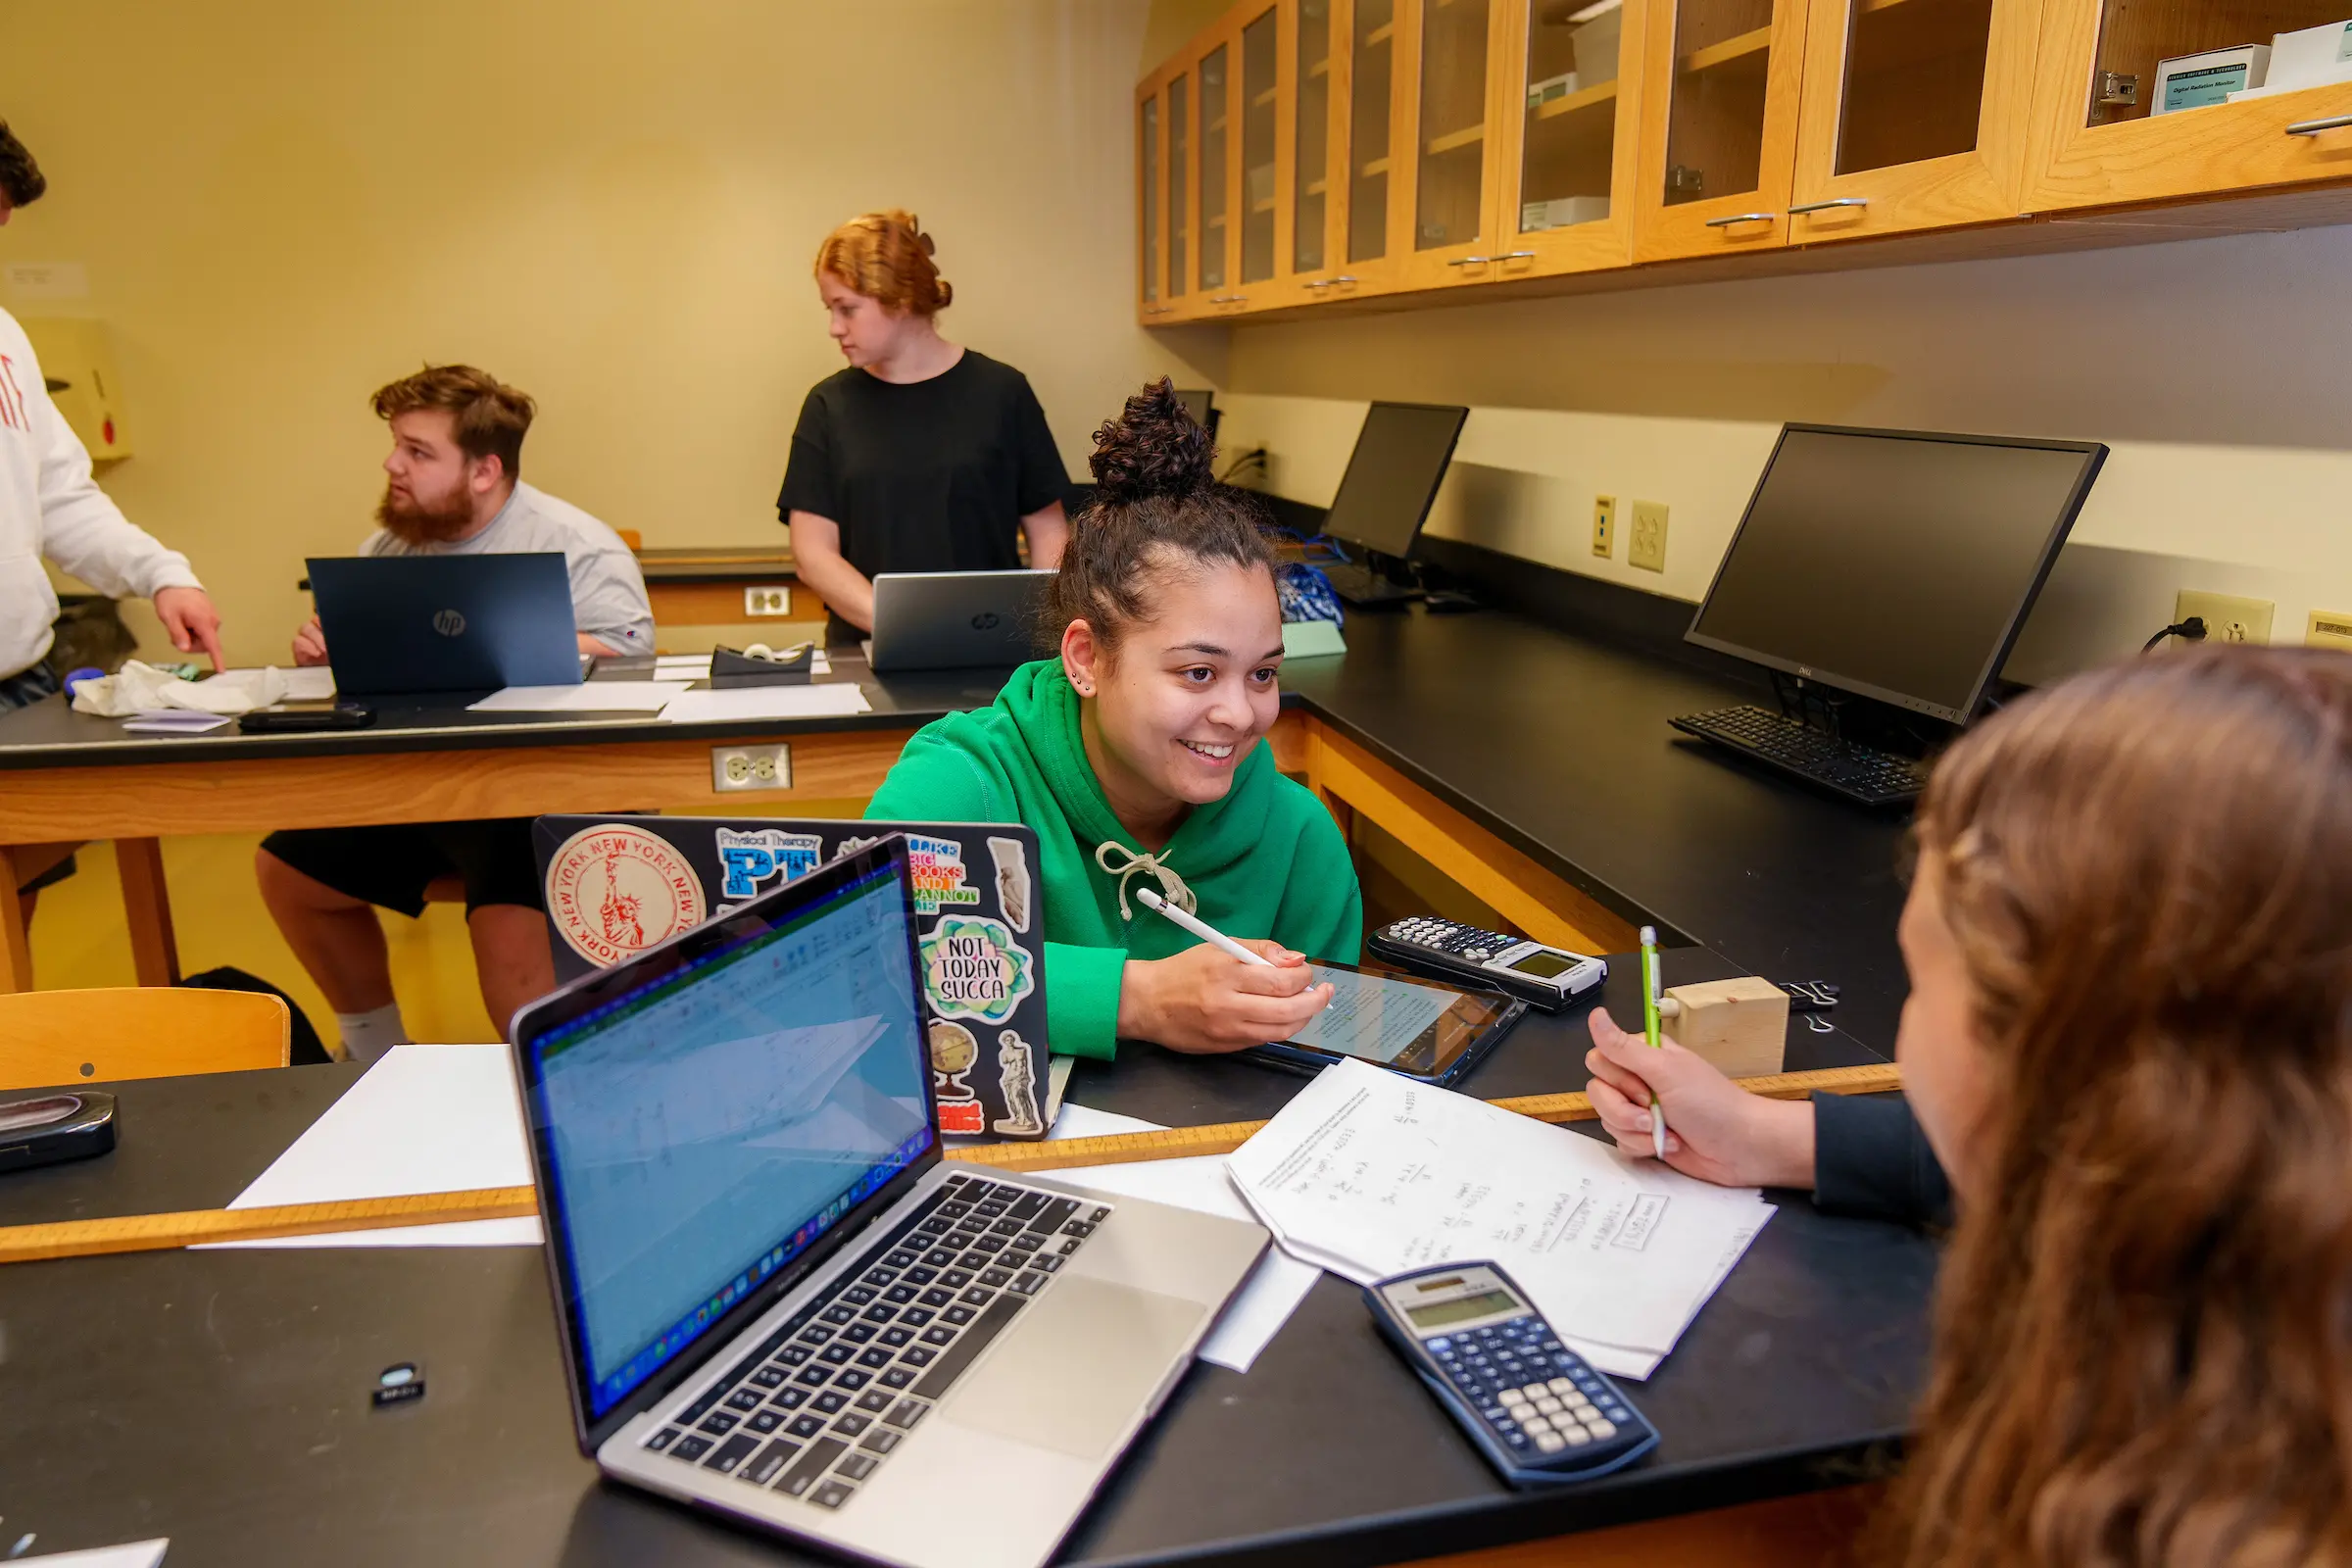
(1423,1029)
(307,720)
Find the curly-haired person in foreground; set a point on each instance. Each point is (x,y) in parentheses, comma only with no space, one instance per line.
(2128,1042)
(1138,754)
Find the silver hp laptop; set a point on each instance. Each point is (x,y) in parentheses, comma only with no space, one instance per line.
(778,1303)
(956,619)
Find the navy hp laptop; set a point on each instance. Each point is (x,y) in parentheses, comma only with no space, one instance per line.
(400,624)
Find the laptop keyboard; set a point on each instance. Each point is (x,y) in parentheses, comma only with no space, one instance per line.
(828,1397)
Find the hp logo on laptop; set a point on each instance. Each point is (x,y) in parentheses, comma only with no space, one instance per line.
(448,623)
(986,620)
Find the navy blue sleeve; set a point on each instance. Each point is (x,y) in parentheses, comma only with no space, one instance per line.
(1870,1159)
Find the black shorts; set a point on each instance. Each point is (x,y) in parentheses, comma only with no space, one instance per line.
(391,867)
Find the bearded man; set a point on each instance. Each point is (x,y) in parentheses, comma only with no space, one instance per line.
(452,487)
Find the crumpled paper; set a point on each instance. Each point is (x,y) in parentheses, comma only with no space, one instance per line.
(139,688)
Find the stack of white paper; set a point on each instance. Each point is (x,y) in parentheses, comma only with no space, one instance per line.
(1368,1174)
(588,696)
(741,704)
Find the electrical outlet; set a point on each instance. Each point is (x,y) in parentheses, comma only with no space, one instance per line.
(2329,628)
(1646,546)
(2228,620)
(751,767)
(1604,526)
(762,603)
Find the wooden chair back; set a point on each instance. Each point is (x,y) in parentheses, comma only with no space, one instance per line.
(78,1037)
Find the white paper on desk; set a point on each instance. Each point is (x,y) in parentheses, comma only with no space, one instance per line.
(133,1554)
(174,721)
(1370,1174)
(423,1119)
(588,696)
(833,699)
(1084,1121)
(1273,1289)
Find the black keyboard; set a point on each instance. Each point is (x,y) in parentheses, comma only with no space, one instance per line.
(827,1398)
(1861,773)
(1361,585)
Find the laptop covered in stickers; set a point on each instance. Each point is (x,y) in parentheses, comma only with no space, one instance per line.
(620,884)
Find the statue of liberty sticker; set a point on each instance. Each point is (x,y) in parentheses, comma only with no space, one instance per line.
(973,968)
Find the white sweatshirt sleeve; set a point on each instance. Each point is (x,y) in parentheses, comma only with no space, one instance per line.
(82,530)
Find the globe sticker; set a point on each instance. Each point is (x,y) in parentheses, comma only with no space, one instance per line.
(973,968)
(615,890)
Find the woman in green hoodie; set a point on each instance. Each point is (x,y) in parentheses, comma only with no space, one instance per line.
(1138,757)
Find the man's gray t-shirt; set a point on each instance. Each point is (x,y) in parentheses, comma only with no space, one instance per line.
(608,591)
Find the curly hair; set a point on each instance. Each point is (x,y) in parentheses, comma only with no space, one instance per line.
(2144,1327)
(887,257)
(1158,508)
(491,418)
(21,183)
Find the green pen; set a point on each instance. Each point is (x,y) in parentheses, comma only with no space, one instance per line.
(1649,1028)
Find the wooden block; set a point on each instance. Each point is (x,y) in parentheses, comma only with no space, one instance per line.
(1740,1025)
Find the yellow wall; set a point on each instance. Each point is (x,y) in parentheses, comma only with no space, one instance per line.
(282,204)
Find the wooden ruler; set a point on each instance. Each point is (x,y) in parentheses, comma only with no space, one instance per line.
(141,1233)
(147,1232)
(1223,1138)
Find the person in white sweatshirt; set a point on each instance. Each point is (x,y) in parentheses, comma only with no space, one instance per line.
(50,507)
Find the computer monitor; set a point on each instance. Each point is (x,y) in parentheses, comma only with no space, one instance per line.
(1894,564)
(1401,457)
(1199,401)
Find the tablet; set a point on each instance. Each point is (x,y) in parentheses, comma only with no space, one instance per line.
(1423,1029)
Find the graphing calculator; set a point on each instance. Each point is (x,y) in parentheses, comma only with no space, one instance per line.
(1543,976)
(1533,1407)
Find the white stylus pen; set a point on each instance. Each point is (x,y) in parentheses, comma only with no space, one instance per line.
(1200,928)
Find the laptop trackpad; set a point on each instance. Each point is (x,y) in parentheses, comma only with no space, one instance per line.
(1077,1367)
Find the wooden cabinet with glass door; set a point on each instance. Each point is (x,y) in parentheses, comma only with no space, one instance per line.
(1720,84)
(1916,114)
(1567,149)
(1151,200)
(2108,132)
(1447,212)
(1264,110)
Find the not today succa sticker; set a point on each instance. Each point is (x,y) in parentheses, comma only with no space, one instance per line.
(976,969)
(617,885)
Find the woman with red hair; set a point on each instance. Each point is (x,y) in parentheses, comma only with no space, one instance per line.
(922,454)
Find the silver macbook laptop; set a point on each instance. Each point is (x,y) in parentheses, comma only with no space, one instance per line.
(956,619)
(777,1301)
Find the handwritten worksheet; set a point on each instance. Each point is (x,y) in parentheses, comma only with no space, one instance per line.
(1370,1174)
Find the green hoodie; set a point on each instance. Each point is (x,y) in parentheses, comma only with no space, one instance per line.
(1266,860)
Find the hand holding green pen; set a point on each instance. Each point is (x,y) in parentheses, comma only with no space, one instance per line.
(1649,1028)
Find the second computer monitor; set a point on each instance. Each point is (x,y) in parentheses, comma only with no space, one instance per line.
(1400,458)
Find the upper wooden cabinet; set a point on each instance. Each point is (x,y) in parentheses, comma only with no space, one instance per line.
(2102,137)
(1915,114)
(1303,152)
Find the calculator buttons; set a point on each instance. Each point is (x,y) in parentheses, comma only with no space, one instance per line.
(1601,1427)
(1549,1443)
(1560,1386)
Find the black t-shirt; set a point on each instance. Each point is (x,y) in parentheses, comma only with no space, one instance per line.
(925,475)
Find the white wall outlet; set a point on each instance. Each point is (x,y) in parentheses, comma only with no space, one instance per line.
(768,600)
(1604,526)
(2227,619)
(1646,546)
(751,767)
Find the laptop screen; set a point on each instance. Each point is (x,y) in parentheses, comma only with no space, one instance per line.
(704,1129)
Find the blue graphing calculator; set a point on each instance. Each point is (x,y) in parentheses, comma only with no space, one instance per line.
(1533,1407)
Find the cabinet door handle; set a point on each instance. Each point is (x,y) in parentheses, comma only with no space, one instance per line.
(1741,217)
(1516,256)
(1347,280)
(2311,127)
(1825,206)
(1321,283)
(1470,260)
(1226,299)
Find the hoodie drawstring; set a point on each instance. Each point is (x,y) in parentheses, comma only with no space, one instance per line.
(1171,886)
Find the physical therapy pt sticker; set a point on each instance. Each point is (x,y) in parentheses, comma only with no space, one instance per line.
(973,968)
(615,890)
(755,858)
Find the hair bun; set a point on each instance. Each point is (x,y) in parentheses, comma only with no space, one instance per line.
(1153,448)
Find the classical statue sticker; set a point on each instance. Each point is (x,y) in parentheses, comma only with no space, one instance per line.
(1016,1076)
(615,890)
(973,968)
(1013,881)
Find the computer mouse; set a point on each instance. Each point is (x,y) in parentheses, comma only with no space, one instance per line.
(1449,602)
